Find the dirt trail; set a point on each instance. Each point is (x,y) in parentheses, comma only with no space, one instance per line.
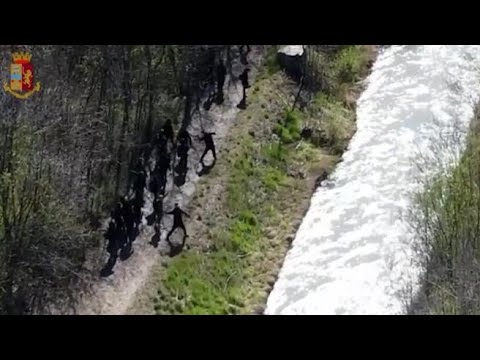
(115,294)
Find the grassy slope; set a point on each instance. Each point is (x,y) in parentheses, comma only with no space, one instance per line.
(255,198)
(448,225)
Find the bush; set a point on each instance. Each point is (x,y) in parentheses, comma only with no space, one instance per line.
(326,71)
(271,60)
(331,123)
(289,129)
(43,243)
(330,74)
(274,153)
(446,218)
(349,64)
(272,178)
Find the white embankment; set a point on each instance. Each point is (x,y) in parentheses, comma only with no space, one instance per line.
(352,253)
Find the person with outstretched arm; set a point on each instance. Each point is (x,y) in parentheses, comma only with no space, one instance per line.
(177,221)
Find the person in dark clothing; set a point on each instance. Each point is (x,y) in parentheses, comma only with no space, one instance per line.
(209,82)
(159,179)
(243,54)
(160,141)
(182,153)
(244,79)
(135,218)
(110,233)
(164,165)
(156,140)
(185,142)
(156,216)
(207,105)
(168,131)
(136,206)
(196,109)
(184,137)
(129,232)
(177,222)
(156,237)
(126,251)
(181,169)
(117,214)
(155,181)
(113,238)
(140,180)
(139,186)
(221,73)
(207,61)
(128,217)
(159,174)
(116,235)
(209,145)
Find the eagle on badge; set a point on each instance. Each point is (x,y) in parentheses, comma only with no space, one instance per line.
(22,83)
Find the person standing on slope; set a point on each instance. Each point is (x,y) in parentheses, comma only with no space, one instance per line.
(221,72)
(177,222)
(244,79)
(244,54)
(209,145)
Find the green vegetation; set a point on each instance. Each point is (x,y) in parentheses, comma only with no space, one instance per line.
(333,122)
(332,78)
(68,153)
(41,242)
(271,65)
(289,129)
(214,283)
(447,221)
(350,64)
(268,183)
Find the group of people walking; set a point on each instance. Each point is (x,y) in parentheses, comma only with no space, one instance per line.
(126,216)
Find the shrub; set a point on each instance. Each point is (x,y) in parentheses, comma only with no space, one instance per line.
(331,122)
(446,218)
(289,129)
(349,64)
